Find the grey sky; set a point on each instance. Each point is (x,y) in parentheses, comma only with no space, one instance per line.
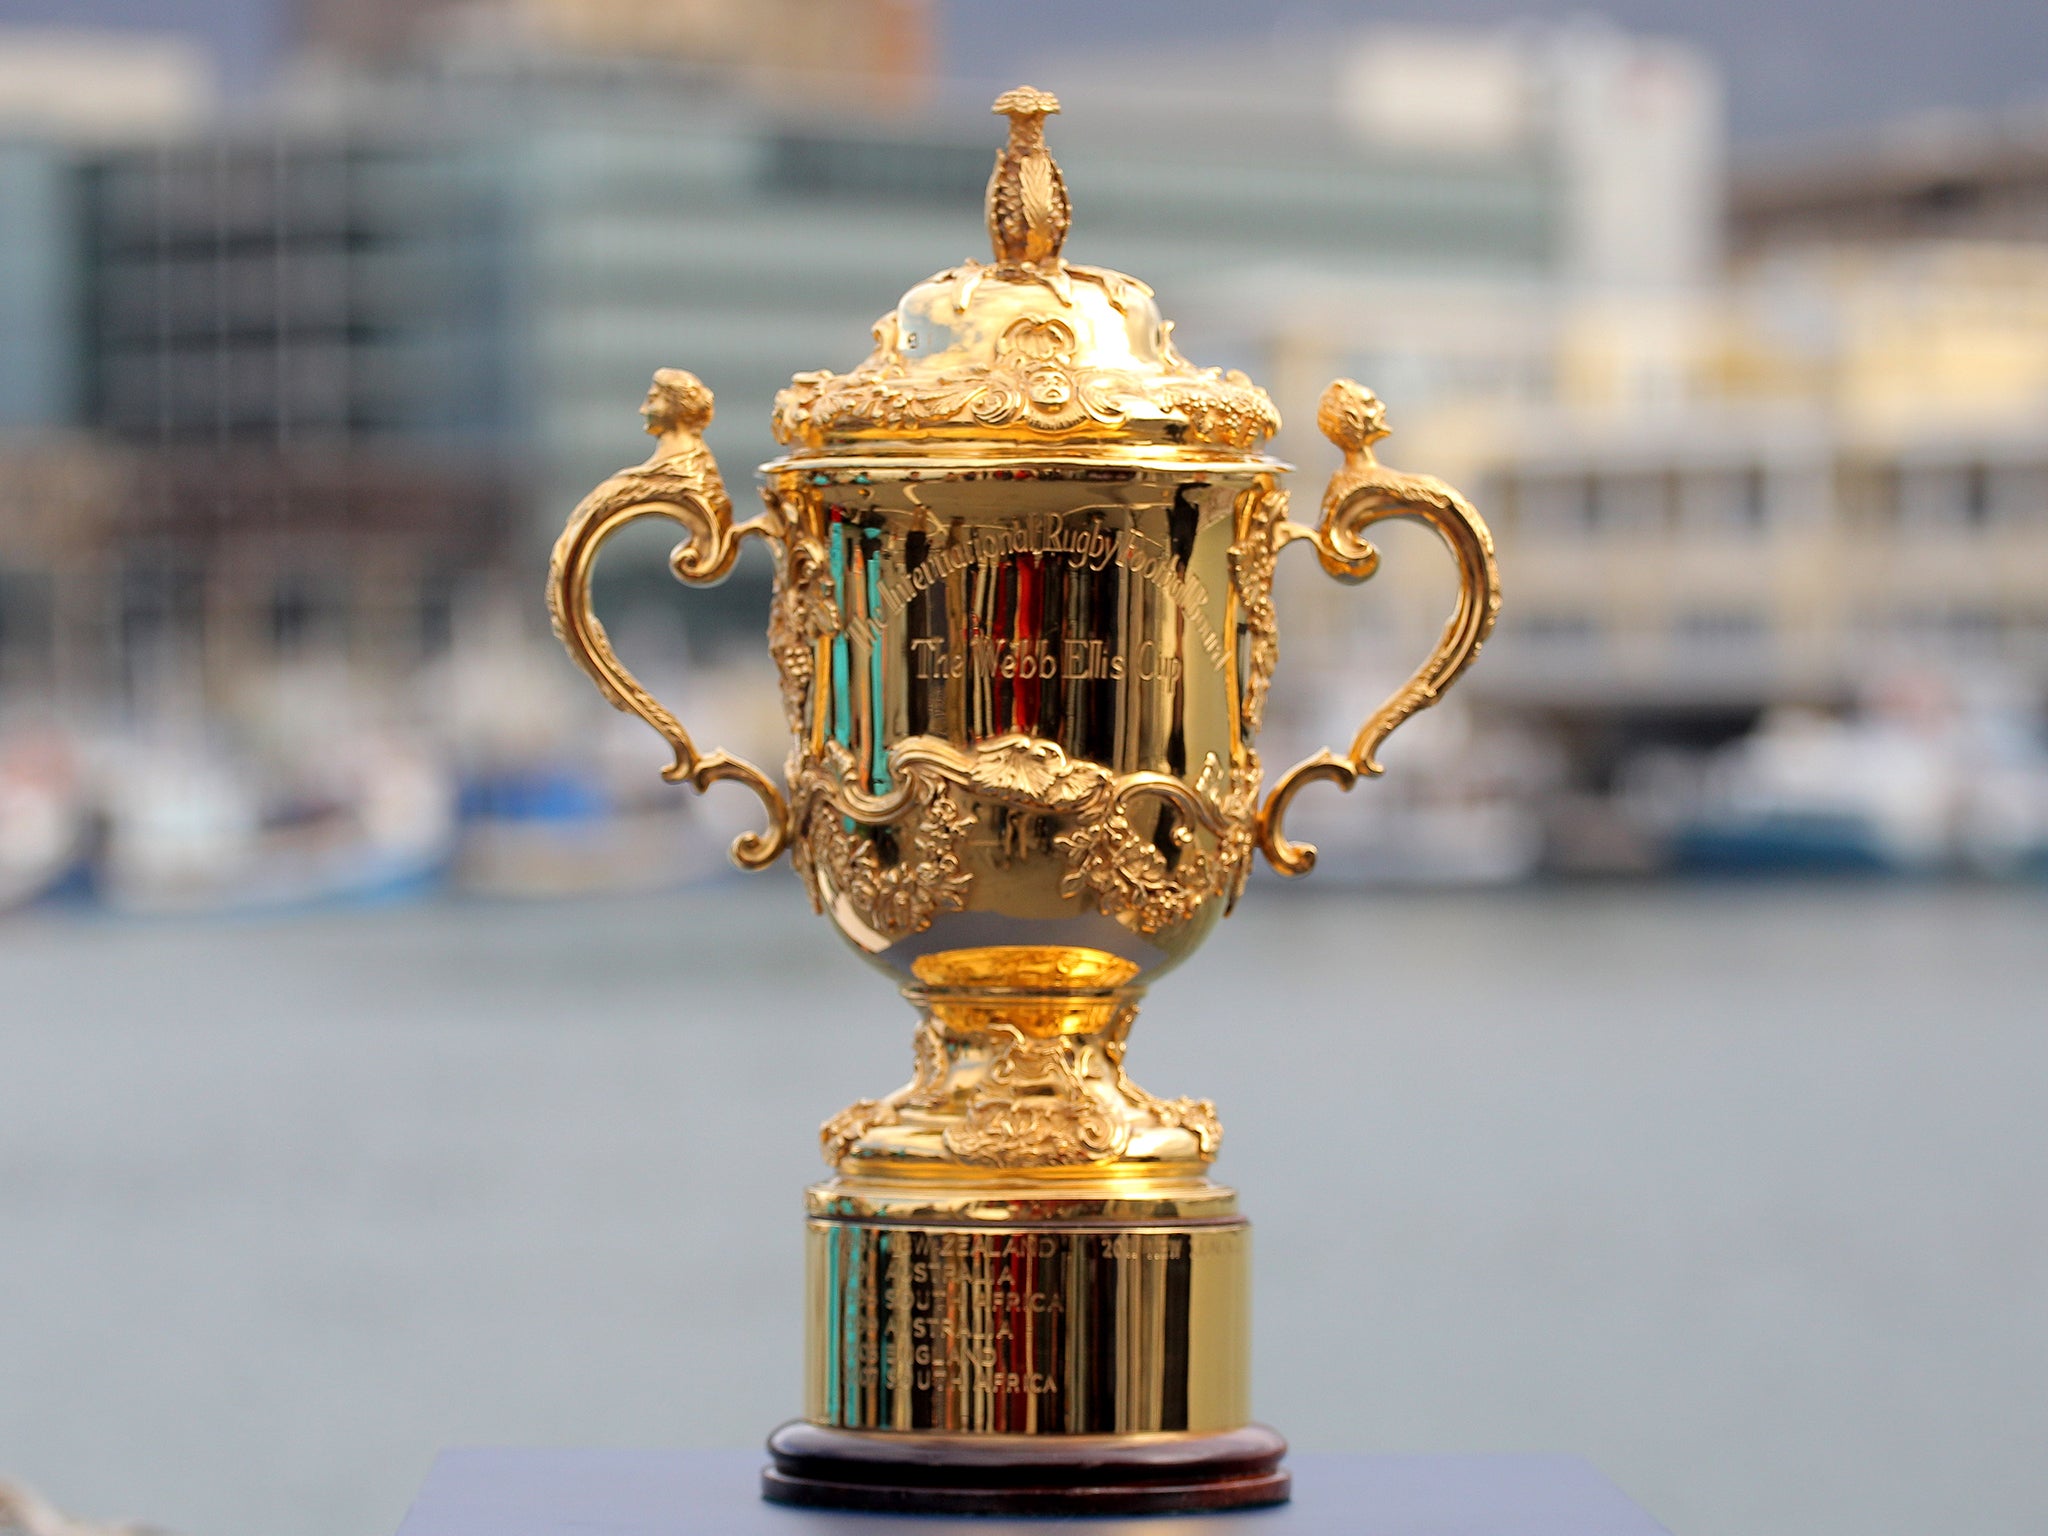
(1793,66)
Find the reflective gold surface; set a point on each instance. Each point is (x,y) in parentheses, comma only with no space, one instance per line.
(1027,1077)
(1026,1194)
(1075,1327)
(1029,966)
(1024,625)
(1027,349)
(1025,727)
(681,483)
(1361,493)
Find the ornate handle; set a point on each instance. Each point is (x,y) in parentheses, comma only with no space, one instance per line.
(680,482)
(1361,493)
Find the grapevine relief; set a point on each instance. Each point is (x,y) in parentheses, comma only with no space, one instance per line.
(896,857)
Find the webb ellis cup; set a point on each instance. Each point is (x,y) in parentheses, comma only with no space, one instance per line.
(1024,624)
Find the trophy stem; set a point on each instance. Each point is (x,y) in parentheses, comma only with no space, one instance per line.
(1023,1073)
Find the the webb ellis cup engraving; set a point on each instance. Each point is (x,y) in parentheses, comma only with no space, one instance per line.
(1024,625)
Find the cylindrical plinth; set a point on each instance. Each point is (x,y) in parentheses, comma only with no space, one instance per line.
(1045,1349)
(1025,1474)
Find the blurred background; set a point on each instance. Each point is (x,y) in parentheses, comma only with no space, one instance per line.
(389,1059)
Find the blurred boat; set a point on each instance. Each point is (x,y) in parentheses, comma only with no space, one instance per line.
(1459,806)
(1784,840)
(197,833)
(1474,841)
(45,815)
(23,1512)
(1806,793)
(558,830)
(1921,781)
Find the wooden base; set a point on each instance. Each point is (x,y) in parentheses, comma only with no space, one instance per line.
(922,1472)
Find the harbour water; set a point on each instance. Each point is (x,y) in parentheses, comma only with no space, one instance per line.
(1741,1191)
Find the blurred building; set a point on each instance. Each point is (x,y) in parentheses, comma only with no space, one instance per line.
(78,84)
(429,284)
(1830,467)
(283,351)
(355,353)
(1952,176)
(61,92)
(1777,541)
(873,52)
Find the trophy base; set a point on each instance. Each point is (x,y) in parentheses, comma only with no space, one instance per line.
(1057,1344)
(959,1474)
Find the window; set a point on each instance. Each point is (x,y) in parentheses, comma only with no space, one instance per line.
(1721,629)
(1976,495)
(1755,503)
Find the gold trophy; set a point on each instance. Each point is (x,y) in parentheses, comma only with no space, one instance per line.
(1024,626)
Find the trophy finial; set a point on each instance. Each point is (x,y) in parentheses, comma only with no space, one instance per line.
(1027,197)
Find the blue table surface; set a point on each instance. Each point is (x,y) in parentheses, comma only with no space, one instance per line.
(505,1492)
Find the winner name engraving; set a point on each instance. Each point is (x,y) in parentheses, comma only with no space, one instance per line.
(965,1313)
(991,1328)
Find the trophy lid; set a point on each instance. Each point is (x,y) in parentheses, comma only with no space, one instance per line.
(1026,352)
